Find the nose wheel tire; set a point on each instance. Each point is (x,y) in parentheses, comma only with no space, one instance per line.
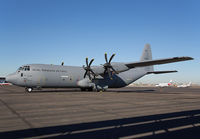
(29,90)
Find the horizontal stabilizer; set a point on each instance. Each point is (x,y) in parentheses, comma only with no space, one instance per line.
(157,62)
(161,72)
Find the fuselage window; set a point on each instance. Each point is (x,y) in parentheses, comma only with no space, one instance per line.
(21,74)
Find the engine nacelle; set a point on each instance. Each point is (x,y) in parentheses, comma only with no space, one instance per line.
(119,67)
(85,83)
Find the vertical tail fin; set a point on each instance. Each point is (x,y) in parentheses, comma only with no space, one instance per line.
(147,55)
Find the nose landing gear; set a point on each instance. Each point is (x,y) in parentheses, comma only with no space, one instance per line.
(28,89)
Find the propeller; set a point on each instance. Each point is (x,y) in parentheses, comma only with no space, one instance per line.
(108,67)
(88,70)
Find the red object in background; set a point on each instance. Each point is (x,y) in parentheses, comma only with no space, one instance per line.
(5,84)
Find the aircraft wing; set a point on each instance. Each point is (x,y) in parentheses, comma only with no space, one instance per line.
(157,62)
(161,72)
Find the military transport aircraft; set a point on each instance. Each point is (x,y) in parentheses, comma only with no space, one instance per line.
(108,75)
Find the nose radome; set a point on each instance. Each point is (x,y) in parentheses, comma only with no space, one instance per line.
(8,78)
(12,78)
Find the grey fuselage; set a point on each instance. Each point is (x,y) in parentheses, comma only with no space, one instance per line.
(57,76)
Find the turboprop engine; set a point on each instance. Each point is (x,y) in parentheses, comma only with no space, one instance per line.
(107,68)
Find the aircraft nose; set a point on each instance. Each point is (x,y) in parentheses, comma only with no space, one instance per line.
(10,78)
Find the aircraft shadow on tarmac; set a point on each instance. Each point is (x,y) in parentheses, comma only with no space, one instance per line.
(150,90)
(122,90)
(133,91)
(152,126)
(78,90)
(56,90)
(116,90)
(143,91)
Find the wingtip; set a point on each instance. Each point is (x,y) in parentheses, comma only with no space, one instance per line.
(184,58)
(189,58)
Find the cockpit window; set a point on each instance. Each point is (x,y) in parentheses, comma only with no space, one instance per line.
(20,68)
(24,68)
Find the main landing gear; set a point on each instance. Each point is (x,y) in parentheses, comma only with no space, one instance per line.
(86,89)
(101,90)
(28,89)
(91,89)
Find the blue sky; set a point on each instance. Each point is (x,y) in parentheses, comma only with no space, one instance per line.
(52,31)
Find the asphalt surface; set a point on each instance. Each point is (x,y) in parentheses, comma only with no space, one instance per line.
(118,113)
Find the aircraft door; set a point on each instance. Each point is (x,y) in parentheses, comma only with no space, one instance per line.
(66,80)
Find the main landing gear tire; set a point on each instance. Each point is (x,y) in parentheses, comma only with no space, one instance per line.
(90,89)
(29,90)
(83,89)
(86,89)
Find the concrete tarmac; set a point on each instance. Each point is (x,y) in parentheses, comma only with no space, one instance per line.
(133,112)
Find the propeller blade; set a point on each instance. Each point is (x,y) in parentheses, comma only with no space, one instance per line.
(93,73)
(105,71)
(88,70)
(109,73)
(85,73)
(111,58)
(108,66)
(106,58)
(87,61)
(89,76)
(91,62)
